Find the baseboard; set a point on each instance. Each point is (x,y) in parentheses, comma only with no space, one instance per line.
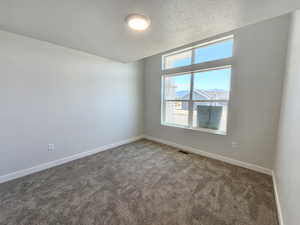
(212,155)
(230,161)
(58,162)
(25,172)
(279,211)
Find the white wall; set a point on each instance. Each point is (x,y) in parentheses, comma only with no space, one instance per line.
(257,78)
(287,162)
(51,94)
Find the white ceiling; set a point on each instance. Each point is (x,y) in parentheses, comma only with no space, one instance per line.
(98,27)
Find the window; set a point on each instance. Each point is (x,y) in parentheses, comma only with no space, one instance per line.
(178,60)
(196,86)
(219,50)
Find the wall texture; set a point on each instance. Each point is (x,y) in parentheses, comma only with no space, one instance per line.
(257,79)
(287,161)
(51,94)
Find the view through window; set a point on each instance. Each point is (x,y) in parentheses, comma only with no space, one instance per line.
(196,86)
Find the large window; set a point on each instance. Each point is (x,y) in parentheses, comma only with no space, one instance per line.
(196,86)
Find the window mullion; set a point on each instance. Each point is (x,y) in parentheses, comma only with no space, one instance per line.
(190,112)
(190,118)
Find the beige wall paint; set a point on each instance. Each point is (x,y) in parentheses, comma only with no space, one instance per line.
(51,94)
(257,79)
(287,161)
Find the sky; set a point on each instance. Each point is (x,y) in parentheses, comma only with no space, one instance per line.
(214,79)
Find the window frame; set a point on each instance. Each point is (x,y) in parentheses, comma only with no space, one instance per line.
(218,64)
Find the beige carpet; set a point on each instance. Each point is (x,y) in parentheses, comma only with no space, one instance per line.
(143,183)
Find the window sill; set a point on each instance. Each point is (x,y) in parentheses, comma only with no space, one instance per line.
(210,131)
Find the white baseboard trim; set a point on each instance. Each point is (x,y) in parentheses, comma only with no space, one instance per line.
(44,166)
(279,211)
(212,155)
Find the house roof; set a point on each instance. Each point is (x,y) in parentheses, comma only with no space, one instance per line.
(205,94)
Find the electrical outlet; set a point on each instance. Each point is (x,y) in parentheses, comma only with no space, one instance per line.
(234,144)
(50,147)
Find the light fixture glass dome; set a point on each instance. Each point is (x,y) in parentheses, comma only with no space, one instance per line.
(138,22)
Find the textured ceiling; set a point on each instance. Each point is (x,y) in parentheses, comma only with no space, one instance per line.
(98,27)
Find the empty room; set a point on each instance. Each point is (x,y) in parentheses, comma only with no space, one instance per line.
(136,112)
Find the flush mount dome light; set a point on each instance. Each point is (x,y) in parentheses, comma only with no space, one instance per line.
(137,22)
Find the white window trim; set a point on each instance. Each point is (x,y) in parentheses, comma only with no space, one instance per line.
(191,69)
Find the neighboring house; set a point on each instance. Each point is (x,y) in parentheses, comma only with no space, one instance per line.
(199,95)
(213,94)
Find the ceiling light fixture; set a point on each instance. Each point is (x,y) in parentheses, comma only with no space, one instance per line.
(138,22)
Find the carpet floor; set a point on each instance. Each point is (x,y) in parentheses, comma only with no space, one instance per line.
(142,183)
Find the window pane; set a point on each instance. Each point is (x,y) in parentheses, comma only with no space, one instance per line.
(210,115)
(219,50)
(176,113)
(212,85)
(178,60)
(177,87)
